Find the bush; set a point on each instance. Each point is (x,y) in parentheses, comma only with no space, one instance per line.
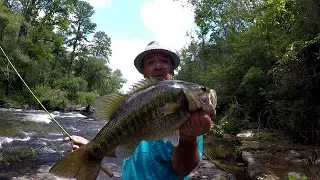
(86,98)
(16,155)
(51,98)
(250,92)
(235,119)
(14,99)
(72,85)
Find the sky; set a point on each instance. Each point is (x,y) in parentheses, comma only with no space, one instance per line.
(132,24)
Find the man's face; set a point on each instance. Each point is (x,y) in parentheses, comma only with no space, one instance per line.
(158,65)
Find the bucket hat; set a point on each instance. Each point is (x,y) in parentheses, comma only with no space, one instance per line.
(155,46)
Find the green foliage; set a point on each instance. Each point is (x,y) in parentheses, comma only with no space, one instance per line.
(112,84)
(94,70)
(50,98)
(262,57)
(81,27)
(15,156)
(14,99)
(86,98)
(9,23)
(235,119)
(71,85)
(293,177)
(101,46)
(250,92)
(39,47)
(255,77)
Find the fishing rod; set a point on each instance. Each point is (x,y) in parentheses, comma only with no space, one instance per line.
(54,120)
(110,174)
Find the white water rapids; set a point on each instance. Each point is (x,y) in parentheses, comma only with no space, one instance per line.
(33,129)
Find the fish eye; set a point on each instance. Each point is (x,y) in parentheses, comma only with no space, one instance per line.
(203,89)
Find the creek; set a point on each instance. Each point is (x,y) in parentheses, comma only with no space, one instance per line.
(25,131)
(33,133)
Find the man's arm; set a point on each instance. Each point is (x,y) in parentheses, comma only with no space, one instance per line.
(185,156)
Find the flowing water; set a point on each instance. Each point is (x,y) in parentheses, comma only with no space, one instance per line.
(33,131)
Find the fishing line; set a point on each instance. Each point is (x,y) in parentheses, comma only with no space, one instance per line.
(218,166)
(20,99)
(110,174)
(55,121)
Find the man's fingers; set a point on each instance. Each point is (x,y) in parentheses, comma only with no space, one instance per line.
(77,141)
(74,146)
(74,138)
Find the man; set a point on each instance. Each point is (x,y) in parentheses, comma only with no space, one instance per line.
(157,159)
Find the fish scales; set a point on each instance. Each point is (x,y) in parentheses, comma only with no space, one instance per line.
(138,114)
(160,97)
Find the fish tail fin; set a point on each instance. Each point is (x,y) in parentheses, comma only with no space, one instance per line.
(77,165)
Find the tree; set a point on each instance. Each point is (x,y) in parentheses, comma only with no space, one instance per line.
(36,36)
(81,27)
(9,23)
(114,83)
(262,58)
(101,45)
(217,18)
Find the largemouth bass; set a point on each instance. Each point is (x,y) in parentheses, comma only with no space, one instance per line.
(152,110)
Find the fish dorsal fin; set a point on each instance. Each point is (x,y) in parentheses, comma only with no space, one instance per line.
(143,84)
(106,105)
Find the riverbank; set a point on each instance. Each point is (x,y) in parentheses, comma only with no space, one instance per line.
(259,155)
(276,155)
(264,155)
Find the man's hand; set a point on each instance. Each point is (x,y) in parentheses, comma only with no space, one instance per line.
(185,156)
(77,142)
(199,123)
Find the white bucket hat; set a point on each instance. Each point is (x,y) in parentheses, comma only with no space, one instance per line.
(155,46)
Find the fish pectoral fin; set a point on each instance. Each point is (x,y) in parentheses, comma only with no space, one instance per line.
(174,138)
(170,108)
(125,151)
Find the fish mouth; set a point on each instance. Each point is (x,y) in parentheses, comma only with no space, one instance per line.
(209,105)
(213,101)
(160,77)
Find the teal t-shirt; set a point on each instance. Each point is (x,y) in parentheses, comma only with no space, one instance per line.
(152,160)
